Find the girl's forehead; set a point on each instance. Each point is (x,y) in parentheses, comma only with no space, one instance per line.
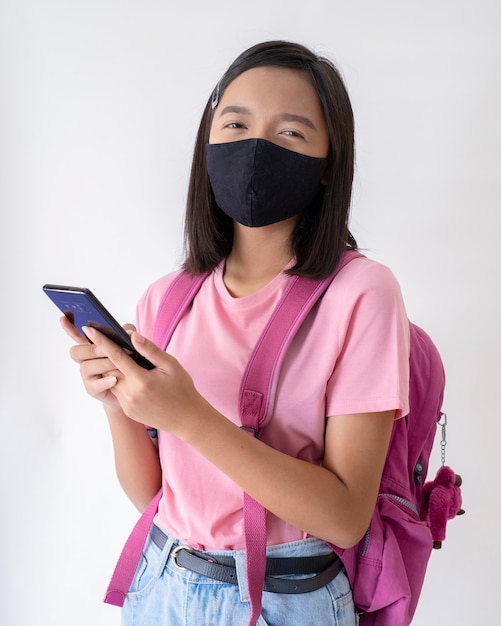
(272,85)
(270,76)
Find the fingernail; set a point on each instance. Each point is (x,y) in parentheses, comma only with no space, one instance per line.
(139,338)
(89,331)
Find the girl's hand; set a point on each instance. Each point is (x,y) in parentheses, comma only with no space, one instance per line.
(97,372)
(164,397)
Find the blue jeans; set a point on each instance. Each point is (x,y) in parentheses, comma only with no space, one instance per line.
(162,594)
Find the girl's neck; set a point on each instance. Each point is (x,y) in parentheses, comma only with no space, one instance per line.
(257,256)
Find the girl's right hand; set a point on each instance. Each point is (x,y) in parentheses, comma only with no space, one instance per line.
(99,375)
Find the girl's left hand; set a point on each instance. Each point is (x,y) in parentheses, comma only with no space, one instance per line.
(164,397)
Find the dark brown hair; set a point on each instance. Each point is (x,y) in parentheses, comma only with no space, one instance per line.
(321,233)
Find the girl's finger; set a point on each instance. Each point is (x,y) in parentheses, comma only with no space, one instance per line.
(118,357)
(86,352)
(98,368)
(72,331)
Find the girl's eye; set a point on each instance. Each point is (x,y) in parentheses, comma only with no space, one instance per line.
(292,133)
(235,125)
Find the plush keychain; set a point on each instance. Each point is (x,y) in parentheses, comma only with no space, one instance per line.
(442,501)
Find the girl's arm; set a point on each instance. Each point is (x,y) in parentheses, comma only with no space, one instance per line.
(334,502)
(136,458)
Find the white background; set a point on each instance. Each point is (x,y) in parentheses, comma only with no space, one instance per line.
(99,105)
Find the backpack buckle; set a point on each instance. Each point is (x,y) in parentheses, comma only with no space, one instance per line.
(253,431)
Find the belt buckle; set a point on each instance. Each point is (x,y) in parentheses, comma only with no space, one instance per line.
(175,552)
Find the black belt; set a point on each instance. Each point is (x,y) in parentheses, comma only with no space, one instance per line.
(325,567)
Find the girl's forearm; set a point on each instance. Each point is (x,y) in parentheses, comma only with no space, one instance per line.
(310,497)
(136,458)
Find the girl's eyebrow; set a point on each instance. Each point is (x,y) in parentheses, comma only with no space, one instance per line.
(292,117)
(233,108)
(286,117)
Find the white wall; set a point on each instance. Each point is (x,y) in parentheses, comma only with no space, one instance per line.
(99,103)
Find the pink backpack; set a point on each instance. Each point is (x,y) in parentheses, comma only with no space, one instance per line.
(386,569)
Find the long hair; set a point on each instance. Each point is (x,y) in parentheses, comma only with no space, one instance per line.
(321,233)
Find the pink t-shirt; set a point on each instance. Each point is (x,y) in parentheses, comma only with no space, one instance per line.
(351,355)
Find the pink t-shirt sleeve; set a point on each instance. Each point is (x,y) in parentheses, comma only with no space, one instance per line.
(149,303)
(371,372)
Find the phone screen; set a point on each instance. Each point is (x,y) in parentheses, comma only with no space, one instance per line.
(82,308)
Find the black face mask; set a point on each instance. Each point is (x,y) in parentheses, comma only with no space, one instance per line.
(257,183)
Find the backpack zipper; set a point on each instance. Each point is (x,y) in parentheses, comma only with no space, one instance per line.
(405,503)
(365,545)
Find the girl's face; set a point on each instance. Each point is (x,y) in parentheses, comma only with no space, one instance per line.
(274,103)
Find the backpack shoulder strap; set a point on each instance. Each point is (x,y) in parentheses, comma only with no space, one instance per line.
(130,556)
(259,380)
(256,399)
(176,300)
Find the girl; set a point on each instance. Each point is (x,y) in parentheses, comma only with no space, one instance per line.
(269,198)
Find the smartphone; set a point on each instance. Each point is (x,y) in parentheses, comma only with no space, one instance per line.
(82,308)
